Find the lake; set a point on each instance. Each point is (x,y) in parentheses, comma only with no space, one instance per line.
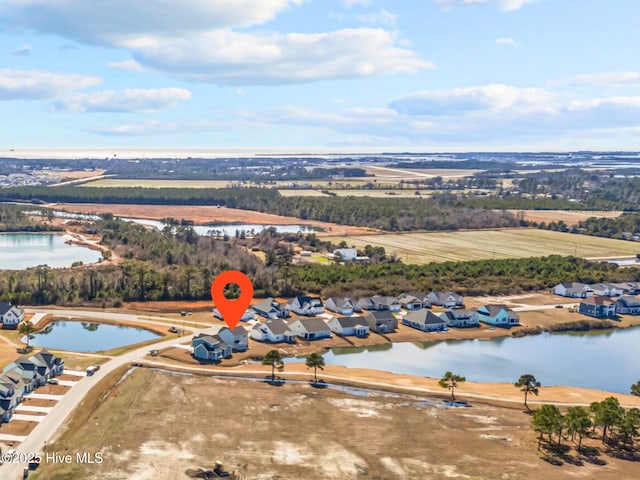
(607,361)
(23,250)
(227,228)
(89,337)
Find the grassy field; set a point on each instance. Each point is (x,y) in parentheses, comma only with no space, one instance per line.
(486,244)
(125,182)
(160,426)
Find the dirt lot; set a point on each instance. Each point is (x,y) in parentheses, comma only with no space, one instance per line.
(569,217)
(298,432)
(208,215)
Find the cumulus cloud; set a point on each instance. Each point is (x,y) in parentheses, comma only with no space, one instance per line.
(227,57)
(130,100)
(40,85)
(504,5)
(130,65)
(381,17)
(610,79)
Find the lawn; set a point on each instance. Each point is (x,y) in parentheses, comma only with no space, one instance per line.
(486,244)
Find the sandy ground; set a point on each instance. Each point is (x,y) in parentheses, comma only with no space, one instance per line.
(208,215)
(298,432)
(569,217)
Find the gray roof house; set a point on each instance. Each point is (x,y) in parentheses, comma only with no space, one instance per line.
(249,314)
(381,322)
(424,320)
(269,308)
(446,299)
(459,317)
(341,305)
(275,331)
(598,307)
(628,305)
(10,315)
(308,306)
(309,328)
(237,338)
(379,303)
(573,290)
(414,301)
(346,326)
(210,348)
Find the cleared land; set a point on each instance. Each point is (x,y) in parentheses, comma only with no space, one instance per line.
(132,182)
(295,432)
(485,244)
(570,217)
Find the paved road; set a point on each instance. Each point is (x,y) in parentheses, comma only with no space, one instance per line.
(48,427)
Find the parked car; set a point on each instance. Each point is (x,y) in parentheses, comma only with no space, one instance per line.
(53,381)
(173,329)
(92,369)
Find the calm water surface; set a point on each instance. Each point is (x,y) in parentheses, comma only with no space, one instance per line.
(228,229)
(23,250)
(609,361)
(89,337)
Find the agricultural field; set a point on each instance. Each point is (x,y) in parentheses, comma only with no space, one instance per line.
(128,182)
(374,193)
(486,244)
(570,217)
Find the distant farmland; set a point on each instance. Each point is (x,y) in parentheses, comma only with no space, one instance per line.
(486,244)
(126,182)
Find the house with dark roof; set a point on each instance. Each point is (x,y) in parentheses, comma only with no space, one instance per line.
(309,328)
(497,315)
(628,305)
(349,326)
(605,289)
(10,315)
(573,290)
(446,299)
(627,288)
(379,303)
(381,321)
(249,314)
(341,305)
(598,307)
(460,318)
(414,301)
(210,348)
(307,306)
(274,331)
(238,338)
(269,308)
(424,320)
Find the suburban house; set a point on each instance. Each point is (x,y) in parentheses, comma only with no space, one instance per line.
(627,288)
(497,315)
(424,320)
(274,331)
(573,290)
(414,301)
(308,306)
(269,308)
(628,305)
(598,307)
(210,347)
(605,289)
(460,318)
(249,314)
(379,303)
(10,315)
(341,305)
(381,321)
(446,299)
(238,338)
(348,326)
(309,328)
(8,400)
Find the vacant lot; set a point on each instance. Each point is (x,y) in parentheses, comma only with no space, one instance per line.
(486,244)
(570,217)
(156,425)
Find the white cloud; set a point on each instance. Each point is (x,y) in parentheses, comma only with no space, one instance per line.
(39,85)
(507,41)
(504,5)
(113,21)
(611,79)
(381,17)
(23,51)
(232,58)
(130,100)
(130,65)
(362,3)
(158,127)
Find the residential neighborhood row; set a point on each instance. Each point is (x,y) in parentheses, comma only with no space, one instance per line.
(602,300)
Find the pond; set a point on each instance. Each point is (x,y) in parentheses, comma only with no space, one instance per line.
(607,361)
(23,250)
(79,336)
(227,228)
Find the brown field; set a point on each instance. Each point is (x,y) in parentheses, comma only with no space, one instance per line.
(486,244)
(296,432)
(126,182)
(207,215)
(397,174)
(570,217)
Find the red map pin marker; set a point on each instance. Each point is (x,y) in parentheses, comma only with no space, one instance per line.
(232,310)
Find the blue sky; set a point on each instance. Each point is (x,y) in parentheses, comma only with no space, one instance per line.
(426,75)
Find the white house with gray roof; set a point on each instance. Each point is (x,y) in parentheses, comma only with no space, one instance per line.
(10,315)
(341,305)
(238,338)
(309,328)
(628,305)
(274,331)
(269,308)
(446,299)
(414,301)
(424,320)
(573,290)
(307,306)
(348,326)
